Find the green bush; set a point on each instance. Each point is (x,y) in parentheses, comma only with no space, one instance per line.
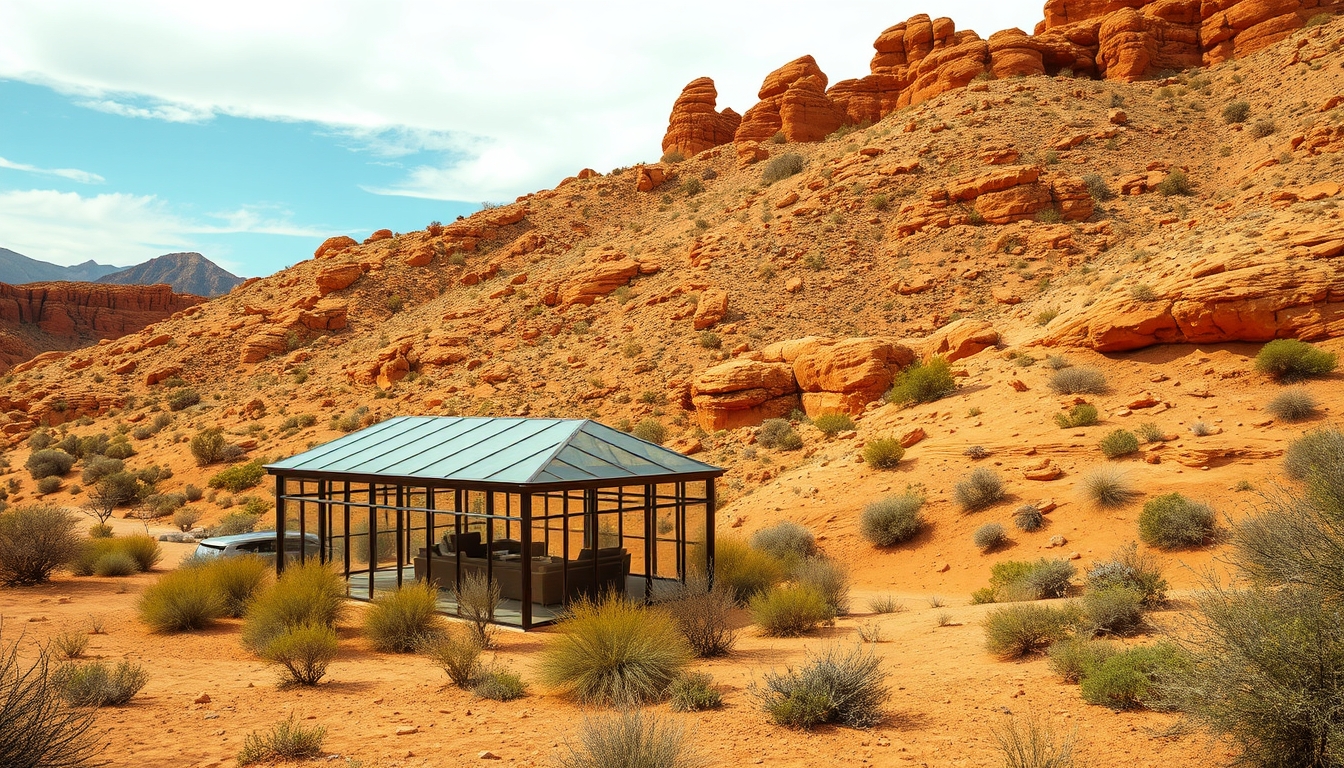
(183,398)
(790,611)
(185,518)
(1176,183)
(693,692)
(1149,432)
(651,430)
(305,594)
(614,651)
(1173,521)
(48,485)
(1236,112)
(1119,443)
(1078,380)
(35,540)
(923,382)
(1107,487)
(180,601)
(1013,580)
(287,740)
(832,424)
(1127,679)
(828,577)
(207,446)
(785,540)
(115,563)
(1316,453)
(402,620)
(1080,415)
(304,652)
(236,580)
(631,739)
(1015,631)
(499,685)
(990,536)
(119,449)
(1293,360)
(883,453)
(98,467)
(1072,658)
(1113,611)
(1293,405)
(239,477)
(458,654)
(704,616)
(847,688)
(778,433)
(892,520)
(49,462)
(782,167)
(981,489)
(1096,186)
(745,571)
(1130,569)
(143,548)
(235,523)
(98,685)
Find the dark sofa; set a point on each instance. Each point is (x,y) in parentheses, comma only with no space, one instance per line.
(549,583)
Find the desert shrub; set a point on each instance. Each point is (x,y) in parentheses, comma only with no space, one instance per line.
(477,600)
(785,540)
(236,580)
(1173,521)
(1314,453)
(1262,128)
(1119,443)
(180,601)
(923,382)
(457,654)
(692,187)
(1128,679)
(183,398)
(48,485)
(1015,631)
(304,652)
(1149,432)
(185,519)
(1176,183)
(1080,415)
(499,685)
(790,611)
(40,439)
(1293,405)
(1236,112)
(100,531)
(1028,518)
(832,424)
(1113,611)
(98,685)
(70,645)
(1293,360)
(1072,658)
(892,520)
(782,167)
(1096,186)
(98,467)
(693,692)
(828,577)
(1107,487)
(651,430)
(990,536)
(49,462)
(115,563)
(1012,580)
(88,552)
(775,433)
(239,477)
(1130,569)
(144,549)
(883,453)
(207,446)
(38,727)
(1033,745)
(630,739)
(234,523)
(115,490)
(745,571)
(703,616)
(287,740)
(614,651)
(843,687)
(400,621)
(35,540)
(982,488)
(192,493)
(305,594)
(1078,380)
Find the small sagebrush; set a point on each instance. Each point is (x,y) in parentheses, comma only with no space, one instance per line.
(1129,568)
(1149,432)
(923,382)
(1119,443)
(1315,452)
(1172,521)
(781,167)
(892,520)
(832,424)
(1074,657)
(34,541)
(236,580)
(745,571)
(303,652)
(1293,360)
(631,739)
(883,453)
(1113,611)
(499,685)
(693,692)
(1013,580)
(785,540)
(1078,380)
(306,594)
(790,611)
(181,601)
(1129,679)
(97,684)
(1107,487)
(847,688)
(1293,405)
(883,604)
(830,578)
(1028,517)
(287,740)
(704,616)
(401,620)
(981,489)
(70,645)
(1080,415)
(990,536)
(1018,630)
(1032,744)
(780,434)
(458,654)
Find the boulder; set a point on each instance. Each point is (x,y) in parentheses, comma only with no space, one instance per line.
(711,308)
(337,277)
(694,125)
(649,177)
(334,245)
(846,376)
(958,339)
(590,281)
(742,393)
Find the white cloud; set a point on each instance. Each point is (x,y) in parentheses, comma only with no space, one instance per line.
(73,174)
(67,228)
(514,96)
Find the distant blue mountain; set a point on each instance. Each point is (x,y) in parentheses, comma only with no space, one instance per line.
(15,268)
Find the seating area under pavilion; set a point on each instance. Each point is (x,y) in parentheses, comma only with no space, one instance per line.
(550,510)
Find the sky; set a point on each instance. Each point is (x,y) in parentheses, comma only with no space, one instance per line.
(251,131)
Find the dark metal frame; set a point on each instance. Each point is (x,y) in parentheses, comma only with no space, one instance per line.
(417,504)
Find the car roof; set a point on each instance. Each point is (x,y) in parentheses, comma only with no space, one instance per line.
(242,538)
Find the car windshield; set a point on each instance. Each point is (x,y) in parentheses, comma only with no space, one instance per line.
(208,550)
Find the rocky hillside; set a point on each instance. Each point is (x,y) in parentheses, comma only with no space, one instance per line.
(15,269)
(994,224)
(42,318)
(184,272)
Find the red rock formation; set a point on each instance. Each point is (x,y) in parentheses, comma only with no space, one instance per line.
(741,393)
(694,126)
(334,245)
(792,100)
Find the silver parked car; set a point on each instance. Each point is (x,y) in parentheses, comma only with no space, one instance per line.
(259,543)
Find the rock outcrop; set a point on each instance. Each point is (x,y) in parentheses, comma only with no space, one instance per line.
(694,125)
(793,101)
(742,392)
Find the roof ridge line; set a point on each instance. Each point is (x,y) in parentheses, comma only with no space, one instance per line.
(532,478)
